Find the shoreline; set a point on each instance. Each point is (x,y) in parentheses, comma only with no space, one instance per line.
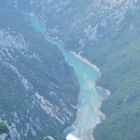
(102,115)
(103,92)
(83,59)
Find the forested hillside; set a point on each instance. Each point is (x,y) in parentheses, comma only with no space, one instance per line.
(36,84)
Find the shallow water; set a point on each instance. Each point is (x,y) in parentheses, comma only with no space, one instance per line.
(88,115)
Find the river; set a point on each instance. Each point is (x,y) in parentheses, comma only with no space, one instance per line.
(89,114)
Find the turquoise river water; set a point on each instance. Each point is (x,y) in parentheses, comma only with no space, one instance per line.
(88,115)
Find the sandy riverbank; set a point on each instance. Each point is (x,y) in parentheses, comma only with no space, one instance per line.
(87,62)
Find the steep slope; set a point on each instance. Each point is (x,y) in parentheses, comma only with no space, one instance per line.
(36,84)
(121,74)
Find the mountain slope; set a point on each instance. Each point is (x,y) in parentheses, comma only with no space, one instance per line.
(36,84)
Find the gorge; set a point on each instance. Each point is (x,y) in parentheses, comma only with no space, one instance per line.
(89,114)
